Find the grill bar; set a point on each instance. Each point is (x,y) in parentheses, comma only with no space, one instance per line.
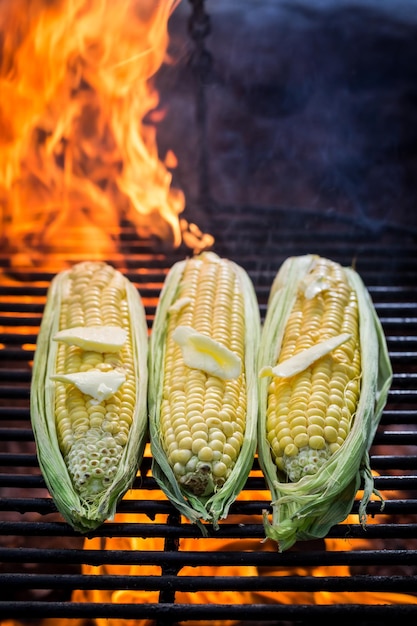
(38,551)
(36,481)
(50,529)
(399,584)
(303,558)
(206,612)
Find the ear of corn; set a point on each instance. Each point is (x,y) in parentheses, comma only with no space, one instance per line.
(89,391)
(203,385)
(324,378)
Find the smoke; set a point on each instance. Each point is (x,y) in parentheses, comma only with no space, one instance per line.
(312,104)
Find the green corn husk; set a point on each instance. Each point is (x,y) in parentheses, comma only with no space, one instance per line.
(307,509)
(85,514)
(216,506)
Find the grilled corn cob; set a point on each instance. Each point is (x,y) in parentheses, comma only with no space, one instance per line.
(89,391)
(203,385)
(324,379)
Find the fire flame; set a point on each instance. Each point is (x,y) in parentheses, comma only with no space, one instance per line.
(78,114)
(321,597)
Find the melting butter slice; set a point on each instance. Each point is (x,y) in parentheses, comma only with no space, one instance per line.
(204,353)
(302,360)
(98,385)
(313,287)
(96,338)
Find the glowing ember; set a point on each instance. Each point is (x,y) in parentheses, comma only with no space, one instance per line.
(78,151)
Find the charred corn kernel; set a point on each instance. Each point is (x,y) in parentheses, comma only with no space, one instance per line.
(324,379)
(202,370)
(89,391)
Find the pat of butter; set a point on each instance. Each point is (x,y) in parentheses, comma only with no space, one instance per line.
(98,385)
(204,353)
(312,288)
(96,338)
(302,360)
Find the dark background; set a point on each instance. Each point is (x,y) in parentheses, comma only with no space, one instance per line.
(309,105)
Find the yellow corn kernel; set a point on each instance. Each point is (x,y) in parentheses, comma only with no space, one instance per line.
(323,357)
(98,383)
(98,304)
(323,391)
(203,392)
(212,408)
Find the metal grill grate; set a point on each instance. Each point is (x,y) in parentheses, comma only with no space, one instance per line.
(41,558)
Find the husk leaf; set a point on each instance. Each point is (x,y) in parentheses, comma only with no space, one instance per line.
(199,509)
(81,515)
(308,508)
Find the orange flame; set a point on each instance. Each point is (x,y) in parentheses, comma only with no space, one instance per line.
(205,545)
(321,597)
(78,150)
